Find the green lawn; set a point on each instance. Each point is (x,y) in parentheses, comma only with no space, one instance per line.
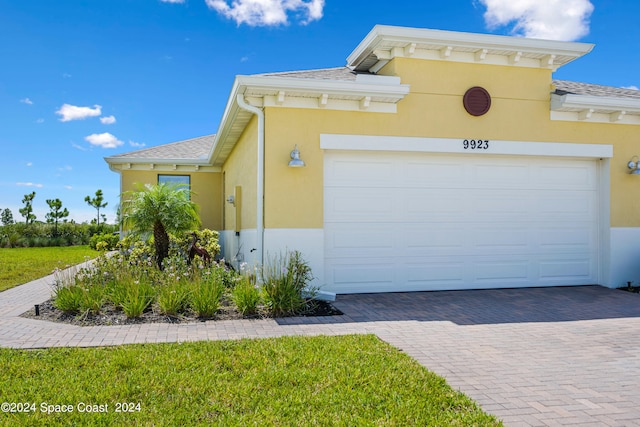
(21,265)
(353,380)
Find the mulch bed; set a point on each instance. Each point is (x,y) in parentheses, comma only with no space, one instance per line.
(110,315)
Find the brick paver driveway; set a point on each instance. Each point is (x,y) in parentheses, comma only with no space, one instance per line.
(546,356)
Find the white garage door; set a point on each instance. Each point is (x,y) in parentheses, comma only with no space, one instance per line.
(403,222)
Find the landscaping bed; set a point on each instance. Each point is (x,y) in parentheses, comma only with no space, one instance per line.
(111,315)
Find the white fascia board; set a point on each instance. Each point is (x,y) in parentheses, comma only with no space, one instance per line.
(381,33)
(147,160)
(230,112)
(349,88)
(584,102)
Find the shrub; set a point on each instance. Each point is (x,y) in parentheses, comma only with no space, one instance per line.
(246,295)
(107,241)
(283,281)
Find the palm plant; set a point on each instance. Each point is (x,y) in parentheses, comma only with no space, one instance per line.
(163,208)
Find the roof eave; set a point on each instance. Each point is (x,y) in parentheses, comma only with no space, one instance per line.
(585,102)
(504,45)
(232,112)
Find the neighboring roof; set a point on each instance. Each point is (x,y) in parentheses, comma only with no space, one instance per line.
(190,150)
(564,87)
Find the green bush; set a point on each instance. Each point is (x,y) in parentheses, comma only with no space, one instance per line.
(109,241)
(283,281)
(21,235)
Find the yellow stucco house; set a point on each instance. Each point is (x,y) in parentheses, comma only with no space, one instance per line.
(433,160)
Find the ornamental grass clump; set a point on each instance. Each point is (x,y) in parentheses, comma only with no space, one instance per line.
(68,298)
(246,295)
(205,297)
(285,283)
(173,298)
(136,298)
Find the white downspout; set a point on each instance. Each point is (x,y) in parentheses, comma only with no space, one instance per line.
(260,172)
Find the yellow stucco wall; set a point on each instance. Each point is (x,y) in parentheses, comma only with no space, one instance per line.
(240,170)
(206,187)
(520,111)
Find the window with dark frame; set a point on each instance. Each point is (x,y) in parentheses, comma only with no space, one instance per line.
(184,180)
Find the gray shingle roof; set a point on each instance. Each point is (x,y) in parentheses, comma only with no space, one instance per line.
(337,73)
(564,87)
(187,150)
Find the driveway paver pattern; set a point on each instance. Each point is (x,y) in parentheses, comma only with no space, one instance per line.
(533,357)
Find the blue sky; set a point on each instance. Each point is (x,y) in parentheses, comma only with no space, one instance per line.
(85,79)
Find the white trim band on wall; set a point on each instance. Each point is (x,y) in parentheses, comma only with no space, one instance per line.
(454,145)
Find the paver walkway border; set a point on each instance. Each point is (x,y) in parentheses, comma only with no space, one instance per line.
(533,357)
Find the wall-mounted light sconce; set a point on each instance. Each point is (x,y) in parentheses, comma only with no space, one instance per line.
(231,200)
(295,161)
(634,166)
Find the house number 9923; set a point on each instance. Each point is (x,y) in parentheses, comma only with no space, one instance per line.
(475,144)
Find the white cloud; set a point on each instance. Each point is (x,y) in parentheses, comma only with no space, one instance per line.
(107,120)
(72,112)
(65,168)
(78,147)
(137,144)
(26,101)
(68,187)
(542,19)
(104,140)
(268,12)
(173,1)
(66,76)
(632,87)
(40,121)
(29,184)
(29,164)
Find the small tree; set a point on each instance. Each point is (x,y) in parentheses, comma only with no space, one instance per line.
(56,214)
(7,217)
(27,211)
(160,208)
(96,202)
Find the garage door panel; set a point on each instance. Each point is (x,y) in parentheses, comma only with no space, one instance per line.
(458,222)
(579,175)
(376,173)
(501,240)
(429,173)
(569,271)
(374,275)
(425,205)
(568,206)
(368,204)
(568,240)
(500,175)
(513,272)
(421,239)
(434,273)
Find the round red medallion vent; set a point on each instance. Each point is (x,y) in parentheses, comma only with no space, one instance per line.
(477,101)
